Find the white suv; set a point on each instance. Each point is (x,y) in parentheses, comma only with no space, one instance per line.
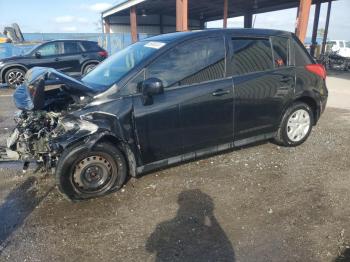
(342,47)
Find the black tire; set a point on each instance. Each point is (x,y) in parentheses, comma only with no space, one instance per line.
(69,172)
(89,67)
(282,137)
(14,77)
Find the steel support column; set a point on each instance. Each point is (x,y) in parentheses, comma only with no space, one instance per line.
(248,20)
(181,15)
(324,42)
(184,15)
(106,27)
(133,24)
(225,13)
(296,21)
(161,28)
(303,19)
(314,29)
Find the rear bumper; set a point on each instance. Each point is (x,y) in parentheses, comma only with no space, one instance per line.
(323,104)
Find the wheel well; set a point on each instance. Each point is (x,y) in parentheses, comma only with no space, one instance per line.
(88,63)
(12,67)
(311,103)
(126,151)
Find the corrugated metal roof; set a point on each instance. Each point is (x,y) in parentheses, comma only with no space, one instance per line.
(206,10)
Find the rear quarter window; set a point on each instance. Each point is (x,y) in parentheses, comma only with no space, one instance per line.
(302,57)
(91,46)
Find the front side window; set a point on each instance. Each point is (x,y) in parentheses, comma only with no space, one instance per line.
(49,49)
(280,48)
(251,55)
(190,63)
(71,48)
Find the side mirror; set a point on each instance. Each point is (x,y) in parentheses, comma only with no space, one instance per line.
(37,54)
(151,87)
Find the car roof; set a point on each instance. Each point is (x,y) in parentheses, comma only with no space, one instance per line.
(71,40)
(207,32)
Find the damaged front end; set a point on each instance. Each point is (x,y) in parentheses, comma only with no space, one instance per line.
(44,126)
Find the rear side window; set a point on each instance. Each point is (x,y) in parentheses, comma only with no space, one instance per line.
(91,46)
(302,58)
(280,49)
(71,48)
(190,63)
(250,55)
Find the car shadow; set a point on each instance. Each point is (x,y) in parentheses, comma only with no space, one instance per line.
(17,206)
(344,257)
(207,156)
(193,235)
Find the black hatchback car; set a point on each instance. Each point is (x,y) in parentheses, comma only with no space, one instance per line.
(74,57)
(164,100)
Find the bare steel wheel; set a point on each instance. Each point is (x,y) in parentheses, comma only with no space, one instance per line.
(84,173)
(14,77)
(92,173)
(298,125)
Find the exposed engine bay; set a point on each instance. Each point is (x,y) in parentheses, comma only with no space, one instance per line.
(44,118)
(34,130)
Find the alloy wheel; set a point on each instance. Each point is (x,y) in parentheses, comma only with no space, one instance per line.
(15,78)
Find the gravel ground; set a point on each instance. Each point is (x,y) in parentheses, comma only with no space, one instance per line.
(258,203)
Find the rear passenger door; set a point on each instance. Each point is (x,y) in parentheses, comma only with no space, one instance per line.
(264,80)
(72,55)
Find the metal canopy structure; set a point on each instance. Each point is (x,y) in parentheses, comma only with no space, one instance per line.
(162,16)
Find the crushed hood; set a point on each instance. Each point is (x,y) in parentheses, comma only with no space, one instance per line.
(31,94)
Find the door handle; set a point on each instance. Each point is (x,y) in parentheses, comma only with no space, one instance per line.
(286,79)
(220,92)
(57,59)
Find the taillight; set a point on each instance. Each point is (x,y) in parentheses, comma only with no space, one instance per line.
(103,53)
(317,69)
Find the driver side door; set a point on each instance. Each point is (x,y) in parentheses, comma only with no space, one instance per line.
(196,109)
(49,56)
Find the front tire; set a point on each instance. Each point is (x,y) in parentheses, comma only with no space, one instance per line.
(296,125)
(82,173)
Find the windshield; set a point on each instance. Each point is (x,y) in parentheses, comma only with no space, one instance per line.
(119,64)
(29,50)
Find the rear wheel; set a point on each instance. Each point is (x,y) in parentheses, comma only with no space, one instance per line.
(296,125)
(14,77)
(82,173)
(88,68)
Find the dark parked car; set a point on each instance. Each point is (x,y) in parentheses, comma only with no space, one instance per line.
(74,57)
(168,99)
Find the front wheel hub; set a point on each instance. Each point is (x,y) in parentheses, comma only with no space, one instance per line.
(92,173)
